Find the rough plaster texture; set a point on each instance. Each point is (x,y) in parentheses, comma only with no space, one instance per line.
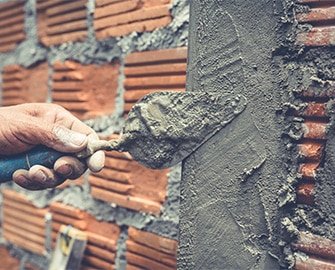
(229,212)
(234,222)
(30,52)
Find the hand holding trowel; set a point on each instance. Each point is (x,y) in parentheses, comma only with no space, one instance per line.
(161,130)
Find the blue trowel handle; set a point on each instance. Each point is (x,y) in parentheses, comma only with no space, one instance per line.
(40,155)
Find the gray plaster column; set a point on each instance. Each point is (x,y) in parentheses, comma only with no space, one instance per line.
(229,209)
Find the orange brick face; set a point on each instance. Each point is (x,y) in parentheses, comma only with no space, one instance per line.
(153,71)
(129,184)
(322,17)
(11,24)
(61,21)
(23,223)
(100,250)
(150,251)
(21,85)
(119,18)
(85,90)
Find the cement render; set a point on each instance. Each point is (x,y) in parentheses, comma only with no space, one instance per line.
(91,51)
(256,215)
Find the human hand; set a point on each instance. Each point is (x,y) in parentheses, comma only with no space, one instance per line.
(22,127)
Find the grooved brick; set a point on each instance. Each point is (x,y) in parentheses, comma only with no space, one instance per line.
(311,151)
(150,251)
(12,29)
(314,130)
(86,90)
(315,245)
(321,16)
(311,263)
(23,223)
(308,170)
(118,18)
(126,183)
(61,21)
(314,109)
(21,85)
(102,237)
(152,71)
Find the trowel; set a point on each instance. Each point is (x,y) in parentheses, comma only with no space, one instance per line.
(161,130)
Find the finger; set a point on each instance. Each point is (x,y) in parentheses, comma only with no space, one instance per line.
(69,167)
(33,180)
(44,178)
(68,120)
(96,162)
(21,177)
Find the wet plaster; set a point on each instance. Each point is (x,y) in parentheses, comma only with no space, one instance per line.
(229,214)
(91,51)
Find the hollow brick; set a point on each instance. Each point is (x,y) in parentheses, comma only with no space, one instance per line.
(59,21)
(321,16)
(24,85)
(153,71)
(315,245)
(85,90)
(11,24)
(119,18)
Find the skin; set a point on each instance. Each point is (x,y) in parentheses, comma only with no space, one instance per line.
(22,127)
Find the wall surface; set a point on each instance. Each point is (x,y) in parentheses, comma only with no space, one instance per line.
(95,58)
(263,181)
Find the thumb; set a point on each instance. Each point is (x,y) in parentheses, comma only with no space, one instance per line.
(65,140)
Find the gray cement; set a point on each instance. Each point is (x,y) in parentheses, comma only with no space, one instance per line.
(247,47)
(91,51)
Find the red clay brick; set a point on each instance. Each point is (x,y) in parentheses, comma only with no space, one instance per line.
(152,71)
(96,263)
(322,16)
(151,3)
(23,223)
(150,251)
(67,210)
(118,18)
(129,184)
(131,202)
(21,85)
(312,264)
(305,193)
(317,15)
(100,253)
(60,21)
(102,236)
(318,36)
(146,263)
(11,24)
(117,8)
(86,90)
(160,56)
(315,245)
(308,170)
(23,243)
(311,151)
(314,130)
(102,241)
(154,241)
(315,109)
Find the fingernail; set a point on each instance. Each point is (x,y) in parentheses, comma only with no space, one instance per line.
(70,137)
(77,138)
(41,175)
(65,170)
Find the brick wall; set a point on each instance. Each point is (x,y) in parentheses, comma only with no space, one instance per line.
(96,58)
(316,26)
